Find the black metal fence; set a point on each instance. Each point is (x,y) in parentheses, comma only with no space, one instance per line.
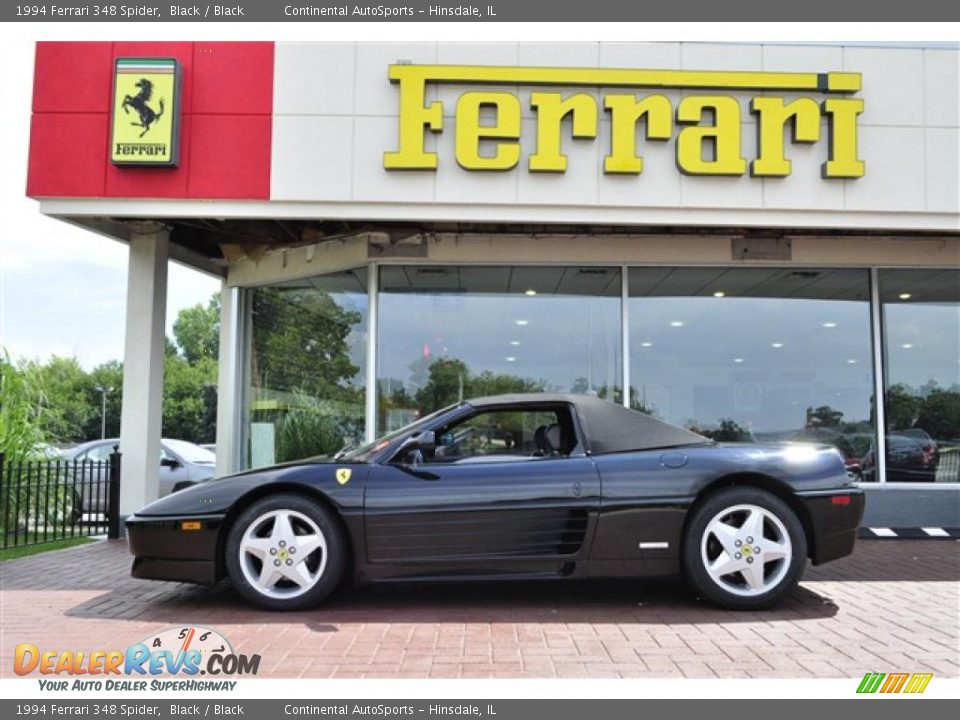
(45,501)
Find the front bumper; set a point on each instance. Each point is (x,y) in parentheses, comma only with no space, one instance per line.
(834,517)
(162,550)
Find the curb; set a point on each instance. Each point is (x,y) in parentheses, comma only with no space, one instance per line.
(926,533)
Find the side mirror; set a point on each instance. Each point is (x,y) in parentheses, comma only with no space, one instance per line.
(169,462)
(425,440)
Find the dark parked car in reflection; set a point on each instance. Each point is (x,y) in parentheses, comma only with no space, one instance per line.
(912,456)
(181,464)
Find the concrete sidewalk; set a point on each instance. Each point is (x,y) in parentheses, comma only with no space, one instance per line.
(892,606)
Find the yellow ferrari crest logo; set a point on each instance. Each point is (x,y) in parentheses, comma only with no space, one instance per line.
(145,112)
(343,475)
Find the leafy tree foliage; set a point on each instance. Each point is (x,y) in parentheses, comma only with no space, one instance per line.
(450,380)
(197,331)
(300,343)
(20,411)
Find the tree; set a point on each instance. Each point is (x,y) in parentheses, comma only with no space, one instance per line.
(20,428)
(902,406)
(300,343)
(66,390)
(197,331)
(729,431)
(824,417)
(108,375)
(939,414)
(449,380)
(189,399)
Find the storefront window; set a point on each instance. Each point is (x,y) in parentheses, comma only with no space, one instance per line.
(450,333)
(307,367)
(921,330)
(755,354)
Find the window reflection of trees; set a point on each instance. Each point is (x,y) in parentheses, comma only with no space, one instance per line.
(303,379)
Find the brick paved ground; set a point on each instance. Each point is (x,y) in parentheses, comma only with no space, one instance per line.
(891,606)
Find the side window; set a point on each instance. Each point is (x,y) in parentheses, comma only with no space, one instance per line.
(503,435)
(98,453)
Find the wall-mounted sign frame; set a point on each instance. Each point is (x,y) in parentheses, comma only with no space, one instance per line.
(145,129)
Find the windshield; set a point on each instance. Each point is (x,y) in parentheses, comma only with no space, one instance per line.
(190,452)
(364,452)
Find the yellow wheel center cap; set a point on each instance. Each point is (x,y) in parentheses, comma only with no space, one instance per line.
(283,554)
(747,550)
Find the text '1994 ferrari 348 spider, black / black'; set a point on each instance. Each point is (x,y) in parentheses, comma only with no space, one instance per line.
(514,486)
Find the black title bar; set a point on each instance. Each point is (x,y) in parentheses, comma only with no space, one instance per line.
(485,11)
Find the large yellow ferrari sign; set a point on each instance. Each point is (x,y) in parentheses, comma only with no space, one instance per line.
(706,124)
(146,108)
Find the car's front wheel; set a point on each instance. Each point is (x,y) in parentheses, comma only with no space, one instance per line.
(744,549)
(286,552)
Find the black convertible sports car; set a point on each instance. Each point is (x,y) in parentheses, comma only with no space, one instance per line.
(514,486)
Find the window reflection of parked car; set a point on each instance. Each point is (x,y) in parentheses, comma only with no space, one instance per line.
(181,464)
(911,457)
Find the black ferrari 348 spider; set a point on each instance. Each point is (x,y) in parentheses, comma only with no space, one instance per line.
(515,486)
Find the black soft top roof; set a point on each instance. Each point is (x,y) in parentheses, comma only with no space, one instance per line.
(608,427)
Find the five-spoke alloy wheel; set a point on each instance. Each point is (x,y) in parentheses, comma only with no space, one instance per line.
(285,552)
(744,549)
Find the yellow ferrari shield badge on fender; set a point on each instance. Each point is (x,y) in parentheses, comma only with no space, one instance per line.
(343,475)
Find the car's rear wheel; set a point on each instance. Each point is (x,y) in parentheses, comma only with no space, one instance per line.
(286,552)
(744,549)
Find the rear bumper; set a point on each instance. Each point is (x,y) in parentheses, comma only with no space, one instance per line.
(163,551)
(834,517)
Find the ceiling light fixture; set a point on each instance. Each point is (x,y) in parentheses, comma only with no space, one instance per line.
(530,293)
(777,345)
(907,346)
(676,323)
(829,324)
(719,293)
(738,360)
(905,296)
(514,342)
(510,359)
(523,322)
(646,344)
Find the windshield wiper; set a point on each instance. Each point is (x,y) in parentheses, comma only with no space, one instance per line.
(344,450)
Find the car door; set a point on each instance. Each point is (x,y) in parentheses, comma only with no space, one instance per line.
(489,496)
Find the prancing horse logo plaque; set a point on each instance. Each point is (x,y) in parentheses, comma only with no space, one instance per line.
(146,112)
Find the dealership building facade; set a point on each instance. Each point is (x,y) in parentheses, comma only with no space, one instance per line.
(757,241)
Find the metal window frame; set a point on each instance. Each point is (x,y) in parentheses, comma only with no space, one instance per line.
(879,376)
(373,343)
(243,338)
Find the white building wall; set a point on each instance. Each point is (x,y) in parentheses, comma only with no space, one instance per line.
(335,114)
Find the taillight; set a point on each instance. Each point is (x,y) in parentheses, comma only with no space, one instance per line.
(840,500)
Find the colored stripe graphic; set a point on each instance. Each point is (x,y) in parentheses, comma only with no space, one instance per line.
(894,683)
(870,682)
(918,682)
(141,65)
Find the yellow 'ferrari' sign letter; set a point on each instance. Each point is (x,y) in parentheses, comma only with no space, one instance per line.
(414,117)
(551,110)
(470,132)
(774,114)
(725,134)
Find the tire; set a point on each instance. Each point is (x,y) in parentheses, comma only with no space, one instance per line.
(722,567)
(286,552)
